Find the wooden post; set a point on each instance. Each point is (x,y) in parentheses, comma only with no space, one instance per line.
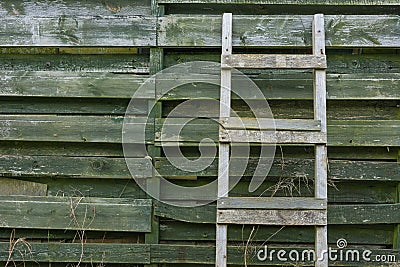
(321,159)
(223,163)
(153,184)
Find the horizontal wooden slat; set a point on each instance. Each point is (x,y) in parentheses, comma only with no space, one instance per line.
(268,124)
(75,167)
(340,133)
(271,217)
(262,61)
(337,214)
(291,167)
(102,85)
(89,253)
(354,31)
(67,84)
(75,128)
(288,2)
(19,63)
(161,254)
(9,187)
(357,234)
(71,8)
(101,214)
(271,137)
(78,31)
(283,203)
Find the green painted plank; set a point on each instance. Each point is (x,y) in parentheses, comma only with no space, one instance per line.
(79,213)
(66,149)
(160,253)
(63,252)
(288,2)
(76,30)
(340,132)
(74,167)
(67,84)
(341,61)
(12,187)
(296,109)
(49,105)
(337,214)
(357,234)
(338,169)
(137,64)
(104,129)
(68,8)
(341,31)
(299,86)
(205,254)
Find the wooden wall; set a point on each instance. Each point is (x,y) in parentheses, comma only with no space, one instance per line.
(68,70)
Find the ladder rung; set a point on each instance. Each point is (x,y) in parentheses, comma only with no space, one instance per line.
(262,61)
(272,217)
(270,124)
(272,137)
(284,203)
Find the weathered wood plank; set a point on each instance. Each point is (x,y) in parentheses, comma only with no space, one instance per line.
(73,128)
(272,217)
(71,8)
(337,214)
(76,213)
(78,31)
(64,252)
(355,234)
(74,167)
(263,61)
(341,31)
(338,61)
(133,63)
(299,86)
(340,132)
(13,187)
(273,86)
(268,124)
(296,109)
(287,2)
(271,203)
(271,137)
(67,84)
(338,169)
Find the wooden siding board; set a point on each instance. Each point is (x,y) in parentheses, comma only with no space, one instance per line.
(76,213)
(341,31)
(78,31)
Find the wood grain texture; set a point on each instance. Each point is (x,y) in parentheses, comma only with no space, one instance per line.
(263,61)
(272,217)
(271,137)
(268,124)
(76,85)
(337,214)
(341,31)
(76,213)
(54,128)
(338,169)
(287,2)
(283,203)
(72,8)
(15,187)
(74,167)
(78,31)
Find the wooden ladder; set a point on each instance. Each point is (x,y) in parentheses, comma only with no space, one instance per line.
(274,210)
